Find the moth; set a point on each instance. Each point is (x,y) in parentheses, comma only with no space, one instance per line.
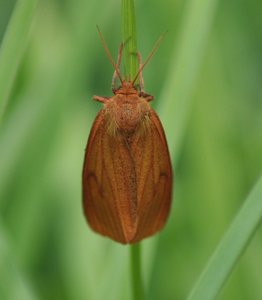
(127,173)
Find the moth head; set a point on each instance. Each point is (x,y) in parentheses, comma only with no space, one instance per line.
(127,88)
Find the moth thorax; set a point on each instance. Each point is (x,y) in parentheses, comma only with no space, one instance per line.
(128,113)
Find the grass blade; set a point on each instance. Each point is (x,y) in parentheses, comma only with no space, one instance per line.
(175,100)
(128,26)
(13,46)
(231,247)
(184,69)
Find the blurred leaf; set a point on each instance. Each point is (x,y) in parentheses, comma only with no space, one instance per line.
(13,47)
(230,248)
(175,100)
(13,284)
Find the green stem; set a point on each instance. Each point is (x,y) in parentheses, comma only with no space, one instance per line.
(136,274)
(13,47)
(128,27)
(129,38)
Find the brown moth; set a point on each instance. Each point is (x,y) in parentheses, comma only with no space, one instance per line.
(127,174)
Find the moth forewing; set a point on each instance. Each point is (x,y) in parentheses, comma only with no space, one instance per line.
(104,186)
(154,177)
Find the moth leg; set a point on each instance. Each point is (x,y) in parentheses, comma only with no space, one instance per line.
(141,79)
(117,66)
(101,99)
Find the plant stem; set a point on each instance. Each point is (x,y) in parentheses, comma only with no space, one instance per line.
(136,274)
(128,26)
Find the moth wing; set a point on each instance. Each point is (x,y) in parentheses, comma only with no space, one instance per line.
(109,183)
(154,177)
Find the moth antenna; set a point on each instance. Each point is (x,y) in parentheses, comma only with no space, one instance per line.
(156,46)
(109,54)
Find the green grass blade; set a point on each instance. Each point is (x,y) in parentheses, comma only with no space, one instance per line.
(175,100)
(128,26)
(231,247)
(184,69)
(13,46)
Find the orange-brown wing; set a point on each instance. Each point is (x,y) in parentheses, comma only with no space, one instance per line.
(154,177)
(109,183)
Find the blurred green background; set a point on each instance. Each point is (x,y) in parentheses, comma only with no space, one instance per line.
(207,72)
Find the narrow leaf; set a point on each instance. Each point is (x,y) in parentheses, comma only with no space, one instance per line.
(175,100)
(13,46)
(230,248)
